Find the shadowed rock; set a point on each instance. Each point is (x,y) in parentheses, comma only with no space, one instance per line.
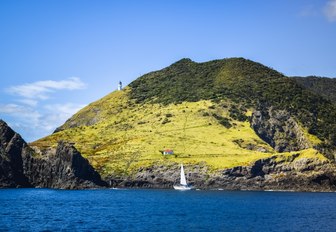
(278,129)
(12,146)
(63,167)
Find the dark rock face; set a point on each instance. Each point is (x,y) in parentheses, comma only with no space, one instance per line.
(298,174)
(12,146)
(290,173)
(278,129)
(64,168)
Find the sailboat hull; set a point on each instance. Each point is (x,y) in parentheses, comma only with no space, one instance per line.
(182,187)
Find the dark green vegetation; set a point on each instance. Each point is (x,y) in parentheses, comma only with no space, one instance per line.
(247,83)
(326,87)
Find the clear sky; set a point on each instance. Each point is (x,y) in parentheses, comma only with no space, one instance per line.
(57,56)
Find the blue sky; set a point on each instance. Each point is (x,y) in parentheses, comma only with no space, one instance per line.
(59,55)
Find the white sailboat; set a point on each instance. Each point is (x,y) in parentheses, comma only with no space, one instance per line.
(183,182)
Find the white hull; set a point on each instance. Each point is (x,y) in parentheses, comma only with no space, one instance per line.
(181,187)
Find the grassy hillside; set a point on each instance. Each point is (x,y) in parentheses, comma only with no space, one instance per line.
(127,136)
(242,81)
(200,110)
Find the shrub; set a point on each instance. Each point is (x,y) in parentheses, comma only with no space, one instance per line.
(223,121)
(166,120)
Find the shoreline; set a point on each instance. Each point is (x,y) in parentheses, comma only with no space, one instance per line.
(194,189)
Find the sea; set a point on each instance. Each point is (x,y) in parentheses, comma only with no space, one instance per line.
(165,210)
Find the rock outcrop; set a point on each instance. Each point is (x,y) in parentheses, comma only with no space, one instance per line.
(278,129)
(12,147)
(290,173)
(63,167)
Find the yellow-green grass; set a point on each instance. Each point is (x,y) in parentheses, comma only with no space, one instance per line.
(309,153)
(127,136)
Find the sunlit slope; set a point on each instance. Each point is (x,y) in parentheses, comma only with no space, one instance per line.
(242,81)
(126,135)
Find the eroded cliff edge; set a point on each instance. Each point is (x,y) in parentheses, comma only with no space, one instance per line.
(63,167)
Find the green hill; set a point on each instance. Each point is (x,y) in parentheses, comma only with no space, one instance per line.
(219,114)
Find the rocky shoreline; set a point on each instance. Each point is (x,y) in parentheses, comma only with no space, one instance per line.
(290,174)
(64,168)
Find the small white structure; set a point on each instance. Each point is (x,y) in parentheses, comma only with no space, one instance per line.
(120,86)
(168,152)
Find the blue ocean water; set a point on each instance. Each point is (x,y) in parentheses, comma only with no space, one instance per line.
(165,210)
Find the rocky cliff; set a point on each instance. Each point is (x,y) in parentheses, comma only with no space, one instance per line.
(12,147)
(279,129)
(289,173)
(63,167)
(275,173)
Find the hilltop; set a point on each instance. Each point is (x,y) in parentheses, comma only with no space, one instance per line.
(215,116)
